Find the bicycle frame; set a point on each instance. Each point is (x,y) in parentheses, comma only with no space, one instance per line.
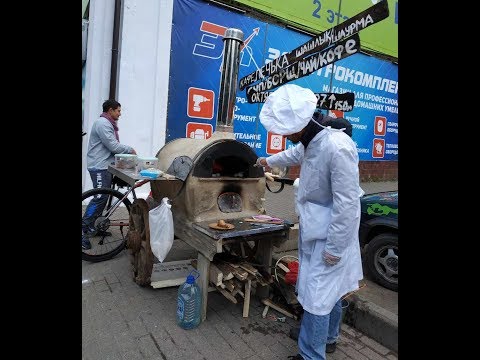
(117,204)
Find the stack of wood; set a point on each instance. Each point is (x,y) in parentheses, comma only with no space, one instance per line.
(235,280)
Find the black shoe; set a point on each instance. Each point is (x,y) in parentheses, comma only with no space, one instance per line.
(86,243)
(296,357)
(294,332)
(331,348)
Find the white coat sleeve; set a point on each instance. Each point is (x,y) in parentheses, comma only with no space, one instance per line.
(289,157)
(343,228)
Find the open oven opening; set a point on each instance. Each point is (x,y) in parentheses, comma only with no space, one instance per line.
(227,159)
(229,166)
(230,199)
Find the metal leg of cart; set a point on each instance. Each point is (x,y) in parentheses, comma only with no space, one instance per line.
(203,267)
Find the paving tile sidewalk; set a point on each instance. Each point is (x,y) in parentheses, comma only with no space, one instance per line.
(121,320)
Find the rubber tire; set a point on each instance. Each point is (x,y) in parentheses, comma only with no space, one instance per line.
(121,246)
(376,243)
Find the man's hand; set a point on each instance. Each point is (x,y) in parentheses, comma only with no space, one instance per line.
(261,161)
(330,259)
(134,152)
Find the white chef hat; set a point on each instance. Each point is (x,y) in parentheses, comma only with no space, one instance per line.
(288,109)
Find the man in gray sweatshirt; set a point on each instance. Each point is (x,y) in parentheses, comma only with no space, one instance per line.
(102,146)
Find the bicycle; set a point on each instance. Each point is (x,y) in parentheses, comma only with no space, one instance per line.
(108,237)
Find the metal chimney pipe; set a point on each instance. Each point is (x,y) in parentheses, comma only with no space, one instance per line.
(233,38)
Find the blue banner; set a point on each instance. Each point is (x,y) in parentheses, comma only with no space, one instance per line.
(195,64)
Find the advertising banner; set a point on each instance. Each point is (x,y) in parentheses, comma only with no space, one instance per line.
(195,64)
(320,15)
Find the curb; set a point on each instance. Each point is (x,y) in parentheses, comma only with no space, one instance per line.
(374,321)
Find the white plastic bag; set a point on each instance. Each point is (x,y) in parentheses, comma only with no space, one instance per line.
(161,229)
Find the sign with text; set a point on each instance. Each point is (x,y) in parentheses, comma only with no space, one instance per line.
(307,66)
(332,101)
(328,101)
(319,15)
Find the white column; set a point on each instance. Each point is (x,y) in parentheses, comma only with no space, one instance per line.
(97,80)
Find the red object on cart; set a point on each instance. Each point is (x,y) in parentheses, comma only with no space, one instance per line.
(291,277)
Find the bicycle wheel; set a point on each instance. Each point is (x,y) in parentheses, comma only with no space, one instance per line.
(109,235)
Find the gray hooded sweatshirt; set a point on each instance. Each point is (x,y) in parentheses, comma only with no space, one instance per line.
(103,145)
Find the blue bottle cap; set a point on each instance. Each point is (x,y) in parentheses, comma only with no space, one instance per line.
(190,279)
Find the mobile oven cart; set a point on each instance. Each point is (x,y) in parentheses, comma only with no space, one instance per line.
(214,179)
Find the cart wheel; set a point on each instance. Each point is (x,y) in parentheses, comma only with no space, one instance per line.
(141,255)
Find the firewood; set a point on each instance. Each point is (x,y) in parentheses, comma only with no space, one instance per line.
(242,249)
(238,284)
(279,308)
(283,267)
(265,310)
(249,268)
(215,275)
(246,303)
(239,292)
(225,269)
(227,295)
(229,285)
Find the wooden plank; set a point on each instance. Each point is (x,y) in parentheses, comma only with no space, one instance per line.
(239,273)
(229,285)
(242,249)
(278,308)
(249,268)
(216,276)
(246,301)
(226,270)
(264,255)
(203,264)
(283,267)
(227,295)
(265,311)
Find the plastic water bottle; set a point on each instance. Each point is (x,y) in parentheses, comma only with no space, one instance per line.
(189,303)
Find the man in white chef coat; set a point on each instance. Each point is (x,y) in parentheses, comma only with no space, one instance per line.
(328,202)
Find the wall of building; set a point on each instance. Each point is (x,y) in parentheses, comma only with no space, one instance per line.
(369,171)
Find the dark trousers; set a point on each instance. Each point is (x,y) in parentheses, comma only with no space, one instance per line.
(100,178)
